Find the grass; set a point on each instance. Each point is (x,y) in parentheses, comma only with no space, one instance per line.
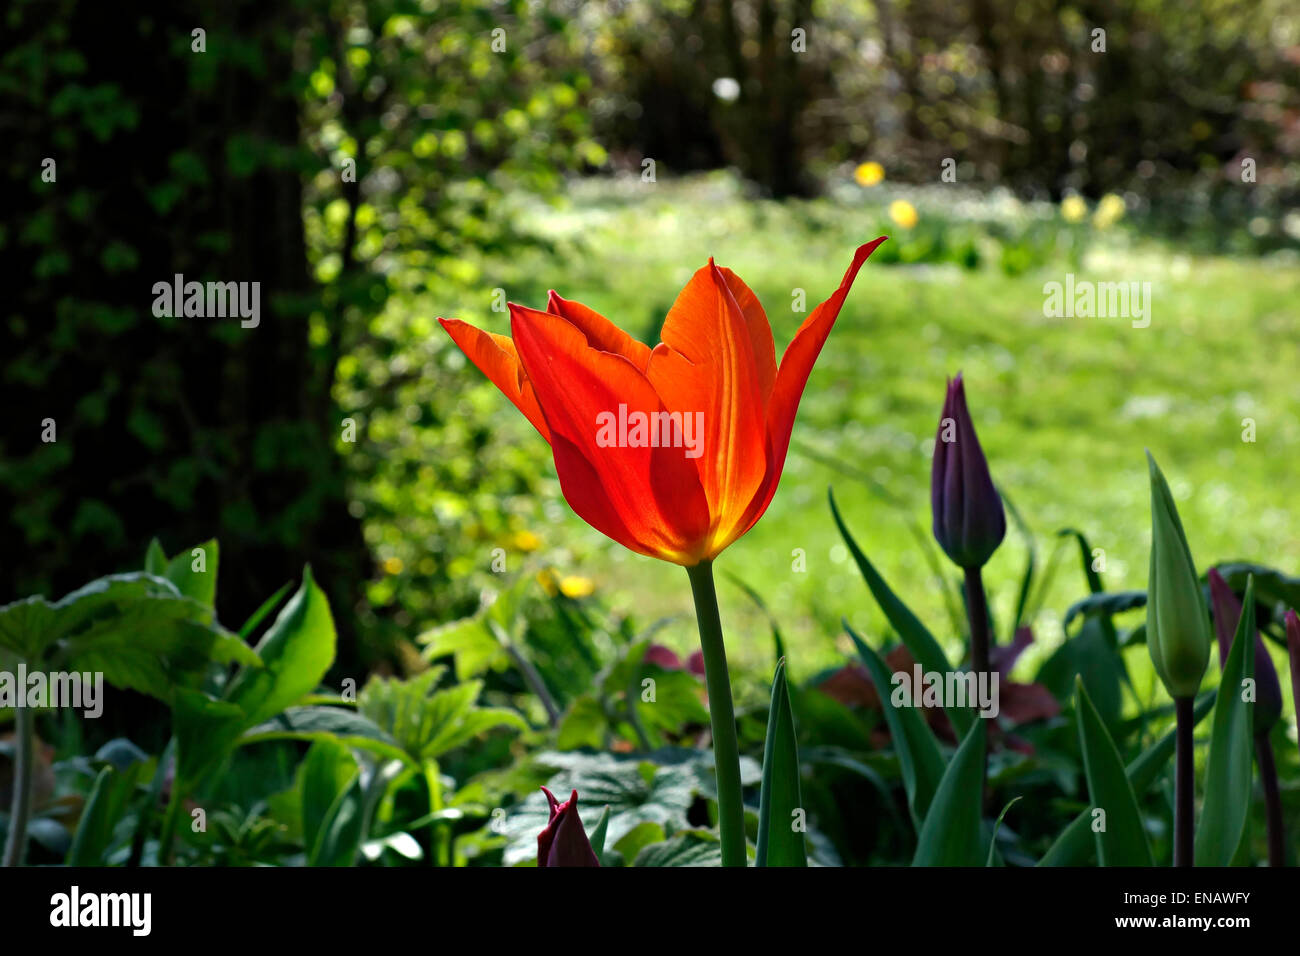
(1064,406)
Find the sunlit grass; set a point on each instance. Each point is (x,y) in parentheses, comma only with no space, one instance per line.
(1064,406)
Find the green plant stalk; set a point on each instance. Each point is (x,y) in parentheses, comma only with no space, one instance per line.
(1184,784)
(167,836)
(439,834)
(20,805)
(981,637)
(1272,800)
(726,748)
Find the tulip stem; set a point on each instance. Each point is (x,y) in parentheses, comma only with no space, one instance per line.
(977,609)
(1272,800)
(1184,783)
(726,749)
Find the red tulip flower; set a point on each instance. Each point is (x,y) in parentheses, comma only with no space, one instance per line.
(563,842)
(675,451)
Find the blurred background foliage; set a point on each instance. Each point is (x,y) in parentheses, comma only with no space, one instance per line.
(377,164)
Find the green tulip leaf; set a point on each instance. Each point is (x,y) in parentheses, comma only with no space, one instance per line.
(951,834)
(1075,846)
(1121,838)
(1227,769)
(910,630)
(780,802)
(919,758)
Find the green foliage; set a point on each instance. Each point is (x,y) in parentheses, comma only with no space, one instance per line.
(1121,836)
(1227,769)
(780,841)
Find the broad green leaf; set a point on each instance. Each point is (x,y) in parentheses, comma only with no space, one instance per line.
(155,559)
(1227,769)
(335,723)
(951,833)
(137,629)
(910,630)
(919,759)
(1088,654)
(779,843)
(1105,604)
(28,627)
(1075,845)
(598,835)
(296,652)
(473,646)
(199,585)
(331,804)
(688,848)
(108,801)
(1122,840)
(205,729)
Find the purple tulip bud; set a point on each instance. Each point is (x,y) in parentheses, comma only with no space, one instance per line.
(969,522)
(564,842)
(1227,612)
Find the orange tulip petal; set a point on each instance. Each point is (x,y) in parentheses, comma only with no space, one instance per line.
(706,365)
(600,332)
(496,358)
(792,376)
(647,498)
(760,332)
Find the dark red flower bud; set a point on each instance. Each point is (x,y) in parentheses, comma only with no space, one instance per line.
(969,522)
(564,842)
(1227,612)
(665,657)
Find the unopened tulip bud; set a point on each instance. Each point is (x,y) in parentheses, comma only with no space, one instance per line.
(1178,627)
(564,842)
(969,522)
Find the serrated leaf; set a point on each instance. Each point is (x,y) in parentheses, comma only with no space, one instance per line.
(691,848)
(427,723)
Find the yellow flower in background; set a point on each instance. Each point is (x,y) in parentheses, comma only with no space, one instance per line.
(1073,209)
(573,586)
(1109,211)
(527,541)
(393,565)
(903,213)
(869,174)
(546,578)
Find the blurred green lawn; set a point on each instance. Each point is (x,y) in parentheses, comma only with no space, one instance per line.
(1064,406)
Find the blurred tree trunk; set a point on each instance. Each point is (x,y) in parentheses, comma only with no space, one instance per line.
(170,161)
